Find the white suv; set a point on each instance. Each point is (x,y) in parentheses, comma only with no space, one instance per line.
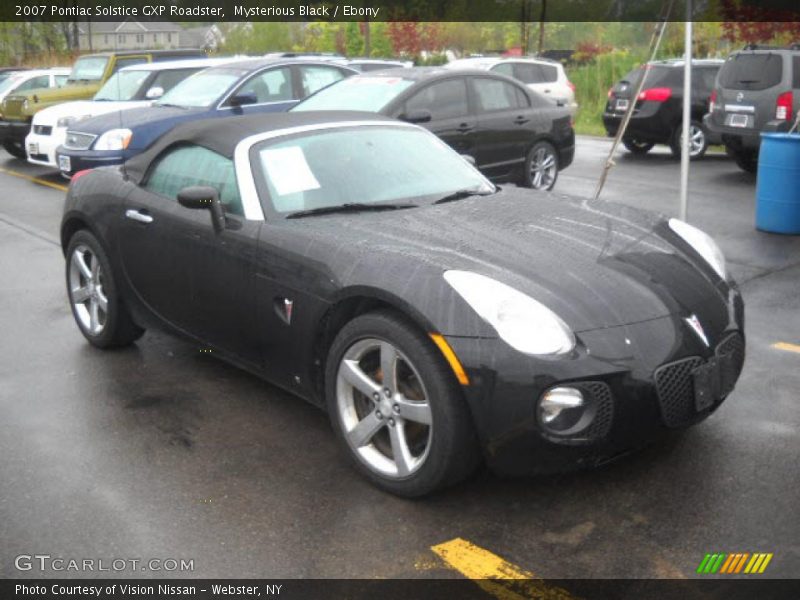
(546,77)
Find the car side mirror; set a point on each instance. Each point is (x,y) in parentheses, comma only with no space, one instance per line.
(470,159)
(154,92)
(243,99)
(204,197)
(419,115)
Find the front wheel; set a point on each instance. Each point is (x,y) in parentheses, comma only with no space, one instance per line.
(698,141)
(637,147)
(15,149)
(541,167)
(99,313)
(396,407)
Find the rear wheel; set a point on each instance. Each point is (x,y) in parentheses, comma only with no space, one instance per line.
(98,310)
(746,160)
(15,149)
(637,147)
(698,141)
(541,167)
(396,407)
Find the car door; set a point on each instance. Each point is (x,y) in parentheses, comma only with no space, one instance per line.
(503,121)
(273,89)
(451,117)
(191,276)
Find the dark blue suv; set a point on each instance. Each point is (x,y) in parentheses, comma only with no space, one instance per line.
(246,87)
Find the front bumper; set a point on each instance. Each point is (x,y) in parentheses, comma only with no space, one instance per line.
(14,131)
(647,377)
(41,149)
(72,161)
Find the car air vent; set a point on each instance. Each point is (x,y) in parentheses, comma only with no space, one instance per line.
(42,129)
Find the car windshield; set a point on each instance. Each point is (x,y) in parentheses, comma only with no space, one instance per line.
(751,71)
(356,93)
(202,89)
(90,68)
(10,83)
(124,85)
(371,165)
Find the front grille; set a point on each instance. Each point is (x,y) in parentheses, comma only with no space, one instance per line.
(600,394)
(40,157)
(13,106)
(42,129)
(79,141)
(732,346)
(676,390)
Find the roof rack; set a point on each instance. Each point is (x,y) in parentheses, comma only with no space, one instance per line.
(765,47)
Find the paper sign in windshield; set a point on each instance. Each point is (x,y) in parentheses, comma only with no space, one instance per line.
(288,170)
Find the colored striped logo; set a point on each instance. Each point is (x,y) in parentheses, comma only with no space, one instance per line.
(738,562)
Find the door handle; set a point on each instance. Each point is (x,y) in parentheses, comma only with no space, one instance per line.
(138,215)
(465,128)
(520,120)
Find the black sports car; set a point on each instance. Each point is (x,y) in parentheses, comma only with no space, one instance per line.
(513,133)
(365,266)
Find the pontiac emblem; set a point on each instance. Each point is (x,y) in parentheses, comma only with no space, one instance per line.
(694,323)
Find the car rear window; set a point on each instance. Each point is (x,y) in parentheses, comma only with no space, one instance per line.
(657,76)
(796,72)
(752,71)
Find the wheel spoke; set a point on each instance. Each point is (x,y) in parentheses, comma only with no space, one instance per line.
(537,179)
(419,412)
(80,295)
(352,373)
(94,315)
(102,301)
(548,162)
(95,269)
(365,430)
(400,452)
(79,260)
(389,366)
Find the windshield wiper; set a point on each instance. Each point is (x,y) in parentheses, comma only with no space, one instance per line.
(461,194)
(348,207)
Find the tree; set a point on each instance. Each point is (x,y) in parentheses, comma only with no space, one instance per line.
(354,43)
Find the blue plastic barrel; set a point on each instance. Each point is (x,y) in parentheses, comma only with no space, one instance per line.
(778,187)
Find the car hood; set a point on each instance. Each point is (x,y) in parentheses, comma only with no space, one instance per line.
(596,264)
(83,109)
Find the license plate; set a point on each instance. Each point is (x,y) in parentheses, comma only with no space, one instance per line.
(33,148)
(621,105)
(738,120)
(64,163)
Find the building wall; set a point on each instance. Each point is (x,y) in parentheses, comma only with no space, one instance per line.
(131,41)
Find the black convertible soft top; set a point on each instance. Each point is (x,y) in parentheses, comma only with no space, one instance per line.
(223,134)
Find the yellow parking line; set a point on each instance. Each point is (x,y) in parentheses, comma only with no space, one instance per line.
(496,576)
(787,347)
(50,184)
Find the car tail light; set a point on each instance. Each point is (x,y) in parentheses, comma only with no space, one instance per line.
(783,107)
(79,174)
(656,95)
(712,101)
(571,85)
(611,92)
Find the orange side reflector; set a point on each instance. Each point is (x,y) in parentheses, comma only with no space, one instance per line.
(451,357)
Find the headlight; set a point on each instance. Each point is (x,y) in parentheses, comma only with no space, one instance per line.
(703,243)
(114,139)
(522,322)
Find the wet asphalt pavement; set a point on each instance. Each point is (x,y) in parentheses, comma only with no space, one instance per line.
(159,451)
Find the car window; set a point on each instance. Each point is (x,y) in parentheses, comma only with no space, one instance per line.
(170,78)
(360,92)
(367,67)
(42,81)
(274,85)
(314,78)
(703,78)
(89,68)
(127,62)
(445,100)
(60,79)
(183,166)
(751,71)
(504,69)
(123,85)
(203,88)
(796,74)
(529,73)
(494,95)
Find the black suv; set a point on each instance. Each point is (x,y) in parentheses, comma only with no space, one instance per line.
(658,115)
(758,89)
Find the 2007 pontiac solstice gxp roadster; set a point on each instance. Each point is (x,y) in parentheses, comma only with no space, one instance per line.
(365,266)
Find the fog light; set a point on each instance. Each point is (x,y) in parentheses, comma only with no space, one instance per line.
(565,411)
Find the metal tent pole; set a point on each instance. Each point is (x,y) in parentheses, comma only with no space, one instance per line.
(687,114)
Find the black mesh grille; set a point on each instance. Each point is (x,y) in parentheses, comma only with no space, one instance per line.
(676,391)
(604,409)
(731,354)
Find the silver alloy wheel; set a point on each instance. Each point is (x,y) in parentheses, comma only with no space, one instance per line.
(383,408)
(543,168)
(697,140)
(86,290)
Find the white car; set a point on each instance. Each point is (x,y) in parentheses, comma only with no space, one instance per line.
(33,79)
(365,65)
(130,87)
(546,77)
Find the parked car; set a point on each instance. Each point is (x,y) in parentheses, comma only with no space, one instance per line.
(363,265)
(6,72)
(512,134)
(130,87)
(88,74)
(241,87)
(546,77)
(365,65)
(658,114)
(758,89)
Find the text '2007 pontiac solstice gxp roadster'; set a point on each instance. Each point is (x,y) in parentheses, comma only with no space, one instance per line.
(442,321)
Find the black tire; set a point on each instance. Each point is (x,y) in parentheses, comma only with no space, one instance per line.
(699,137)
(746,160)
(15,149)
(452,451)
(118,328)
(550,176)
(637,147)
